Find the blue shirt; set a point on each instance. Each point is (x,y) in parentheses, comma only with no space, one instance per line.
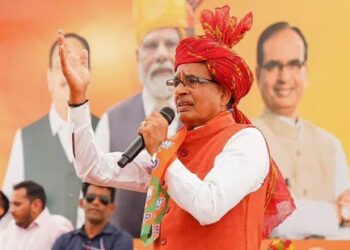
(111,238)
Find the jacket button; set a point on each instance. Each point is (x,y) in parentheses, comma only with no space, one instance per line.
(183,152)
(163,241)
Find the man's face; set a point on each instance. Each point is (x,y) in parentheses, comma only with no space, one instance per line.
(58,85)
(197,105)
(21,208)
(156,61)
(282,75)
(97,205)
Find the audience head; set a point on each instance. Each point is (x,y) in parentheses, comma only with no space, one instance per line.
(27,202)
(98,203)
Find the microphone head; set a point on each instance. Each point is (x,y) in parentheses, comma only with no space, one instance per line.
(168,114)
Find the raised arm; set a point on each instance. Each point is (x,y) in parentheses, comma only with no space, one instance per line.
(91,164)
(75,69)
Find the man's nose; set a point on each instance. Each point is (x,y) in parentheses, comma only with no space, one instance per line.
(181,90)
(162,53)
(283,75)
(96,201)
(12,209)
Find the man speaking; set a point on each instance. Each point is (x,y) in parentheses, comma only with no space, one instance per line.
(212,185)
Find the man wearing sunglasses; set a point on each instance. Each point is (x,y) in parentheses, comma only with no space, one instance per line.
(311,159)
(96,233)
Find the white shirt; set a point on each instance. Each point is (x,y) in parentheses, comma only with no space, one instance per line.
(238,170)
(40,234)
(149,105)
(305,221)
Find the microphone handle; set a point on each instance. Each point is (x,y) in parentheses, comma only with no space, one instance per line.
(132,151)
(138,144)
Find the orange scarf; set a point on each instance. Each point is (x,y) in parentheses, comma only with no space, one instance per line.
(157,197)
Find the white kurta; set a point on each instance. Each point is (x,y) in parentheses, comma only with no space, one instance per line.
(238,170)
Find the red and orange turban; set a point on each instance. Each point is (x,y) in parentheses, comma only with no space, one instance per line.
(214,49)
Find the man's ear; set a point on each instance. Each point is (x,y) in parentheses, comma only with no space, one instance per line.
(81,201)
(305,74)
(37,206)
(225,96)
(113,207)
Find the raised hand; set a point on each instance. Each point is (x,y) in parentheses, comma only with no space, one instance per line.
(75,69)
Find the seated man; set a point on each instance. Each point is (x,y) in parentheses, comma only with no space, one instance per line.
(311,159)
(32,227)
(97,232)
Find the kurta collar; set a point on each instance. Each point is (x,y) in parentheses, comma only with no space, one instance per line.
(41,219)
(56,121)
(281,124)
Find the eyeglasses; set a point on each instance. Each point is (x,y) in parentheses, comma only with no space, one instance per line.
(151,46)
(292,66)
(189,81)
(102,198)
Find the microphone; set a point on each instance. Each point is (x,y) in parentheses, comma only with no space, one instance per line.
(138,144)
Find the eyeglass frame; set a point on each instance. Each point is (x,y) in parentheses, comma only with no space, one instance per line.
(103,199)
(280,66)
(198,81)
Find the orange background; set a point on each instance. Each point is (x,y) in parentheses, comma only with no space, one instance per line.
(28,28)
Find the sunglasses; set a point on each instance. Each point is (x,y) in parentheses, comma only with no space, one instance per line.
(102,198)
